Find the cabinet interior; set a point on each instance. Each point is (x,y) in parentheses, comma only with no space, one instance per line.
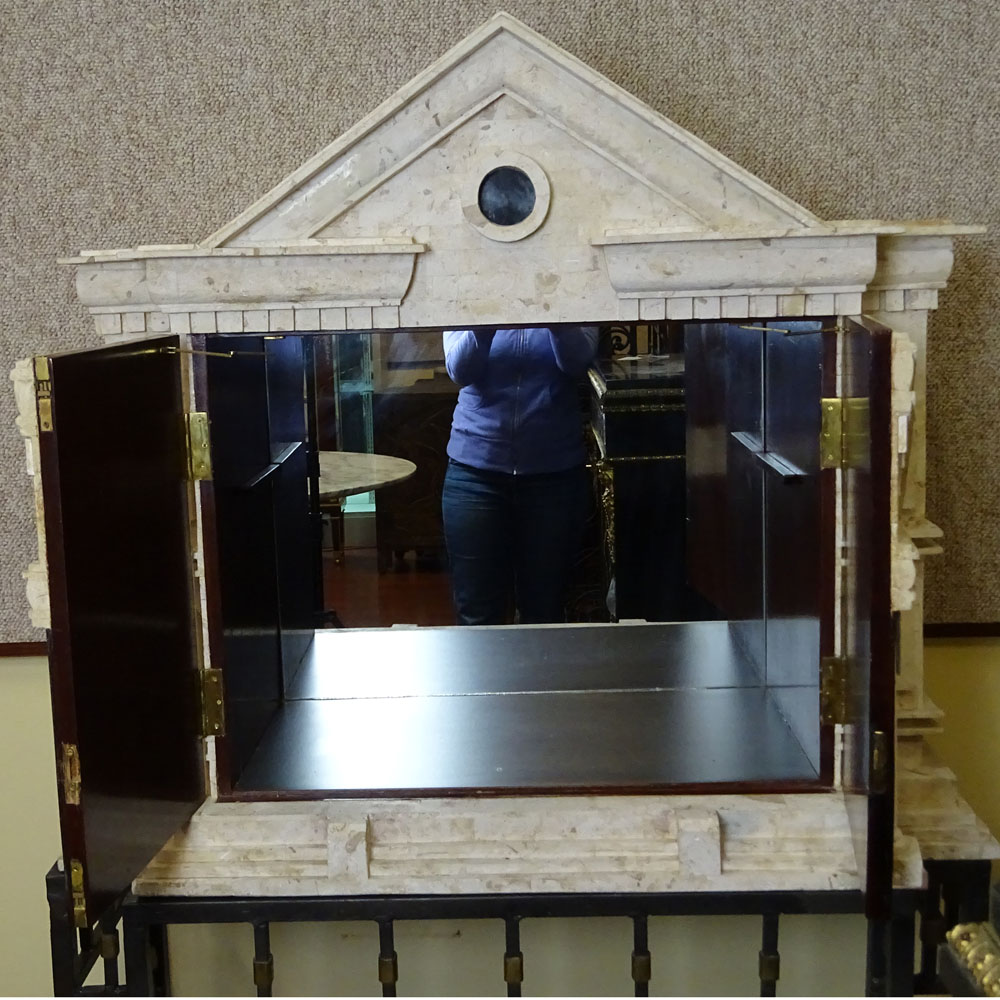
(702,604)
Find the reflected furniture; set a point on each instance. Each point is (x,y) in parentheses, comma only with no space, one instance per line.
(413,422)
(637,418)
(347,473)
(344,473)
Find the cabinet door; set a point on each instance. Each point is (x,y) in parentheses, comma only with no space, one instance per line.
(122,650)
(868,631)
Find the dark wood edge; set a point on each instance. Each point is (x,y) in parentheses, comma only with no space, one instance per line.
(61,677)
(883,635)
(210,568)
(530,791)
(828,556)
(12,649)
(961,630)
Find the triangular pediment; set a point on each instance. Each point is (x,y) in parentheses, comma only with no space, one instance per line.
(506,72)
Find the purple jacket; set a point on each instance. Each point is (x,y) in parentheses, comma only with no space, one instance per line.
(518,410)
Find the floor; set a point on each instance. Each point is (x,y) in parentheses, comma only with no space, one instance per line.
(410,593)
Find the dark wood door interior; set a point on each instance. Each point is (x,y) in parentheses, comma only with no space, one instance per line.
(868,629)
(121,646)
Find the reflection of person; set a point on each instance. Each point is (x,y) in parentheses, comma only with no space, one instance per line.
(516,490)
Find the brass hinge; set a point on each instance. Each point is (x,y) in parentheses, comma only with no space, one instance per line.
(43,393)
(76,887)
(213,719)
(878,779)
(844,433)
(833,679)
(69,773)
(198,446)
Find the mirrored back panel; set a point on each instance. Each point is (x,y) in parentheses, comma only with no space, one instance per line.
(698,498)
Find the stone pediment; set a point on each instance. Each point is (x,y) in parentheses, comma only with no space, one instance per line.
(507,89)
(631,218)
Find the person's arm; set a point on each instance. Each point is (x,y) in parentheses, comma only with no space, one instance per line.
(574,347)
(466,353)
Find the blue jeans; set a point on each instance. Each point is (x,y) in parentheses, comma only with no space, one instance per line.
(512,541)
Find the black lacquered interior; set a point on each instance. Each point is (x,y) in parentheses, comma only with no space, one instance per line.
(707,527)
(376,663)
(526,709)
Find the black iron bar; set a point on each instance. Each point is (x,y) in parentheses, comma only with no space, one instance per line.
(769,960)
(975,878)
(876,974)
(209,909)
(932,931)
(388,964)
(642,961)
(513,959)
(263,960)
(145,917)
(902,930)
(136,934)
(62,935)
(159,960)
(110,949)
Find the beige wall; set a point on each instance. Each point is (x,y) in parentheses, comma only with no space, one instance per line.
(703,956)
(963,678)
(157,122)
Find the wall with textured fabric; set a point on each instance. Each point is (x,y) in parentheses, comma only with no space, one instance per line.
(157,122)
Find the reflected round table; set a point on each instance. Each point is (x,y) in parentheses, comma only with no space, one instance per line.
(344,473)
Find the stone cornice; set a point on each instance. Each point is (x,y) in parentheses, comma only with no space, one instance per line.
(276,248)
(311,273)
(736,264)
(830,268)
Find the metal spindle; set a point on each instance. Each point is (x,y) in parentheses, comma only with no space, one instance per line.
(642,961)
(932,930)
(769,961)
(513,959)
(263,960)
(159,961)
(110,949)
(901,934)
(388,965)
(877,974)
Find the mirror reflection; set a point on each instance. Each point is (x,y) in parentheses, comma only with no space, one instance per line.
(485,477)
(660,480)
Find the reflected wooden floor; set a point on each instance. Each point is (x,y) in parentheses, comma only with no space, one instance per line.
(408,594)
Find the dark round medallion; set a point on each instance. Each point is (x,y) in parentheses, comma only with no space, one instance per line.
(506,196)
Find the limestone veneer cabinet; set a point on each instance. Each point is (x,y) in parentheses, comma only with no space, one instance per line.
(212,741)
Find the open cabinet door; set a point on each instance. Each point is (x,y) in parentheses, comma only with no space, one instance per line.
(122,651)
(867,627)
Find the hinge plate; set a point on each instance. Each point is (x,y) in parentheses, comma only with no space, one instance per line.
(43,393)
(844,433)
(198,447)
(213,717)
(76,888)
(833,691)
(69,773)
